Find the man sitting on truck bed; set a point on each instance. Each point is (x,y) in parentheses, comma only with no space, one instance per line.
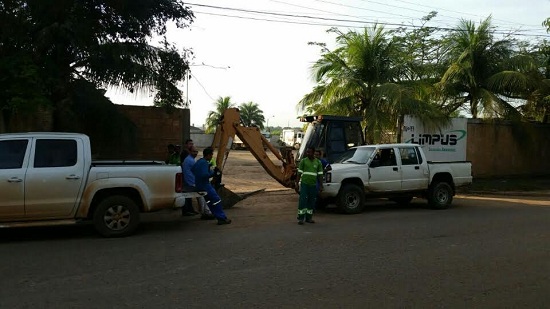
(202,173)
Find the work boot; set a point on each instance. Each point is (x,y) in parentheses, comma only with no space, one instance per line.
(310,221)
(224,221)
(300,222)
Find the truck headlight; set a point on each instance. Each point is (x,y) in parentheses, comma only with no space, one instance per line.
(328,177)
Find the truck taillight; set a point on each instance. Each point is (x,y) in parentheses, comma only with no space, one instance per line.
(328,177)
(179,183)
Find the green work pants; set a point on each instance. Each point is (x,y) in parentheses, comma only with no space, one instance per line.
(308,196)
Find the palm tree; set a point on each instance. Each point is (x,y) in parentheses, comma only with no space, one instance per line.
(222,103)
(363,77)
(480,71)
(252,115)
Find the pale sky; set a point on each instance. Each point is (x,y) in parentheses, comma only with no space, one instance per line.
(258,50)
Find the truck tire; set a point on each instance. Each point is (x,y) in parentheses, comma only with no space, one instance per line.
(116,216)
(440,195)
(351,199)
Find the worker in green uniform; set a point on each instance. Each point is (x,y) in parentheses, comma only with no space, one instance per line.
(310,172)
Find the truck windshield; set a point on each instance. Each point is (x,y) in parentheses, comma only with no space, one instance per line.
(356,155)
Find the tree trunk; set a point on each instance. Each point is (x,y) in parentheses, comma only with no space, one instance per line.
(400,122)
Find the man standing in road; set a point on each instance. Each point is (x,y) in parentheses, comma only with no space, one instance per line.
(189,181)
(310,172)
(202,173)
(326,168)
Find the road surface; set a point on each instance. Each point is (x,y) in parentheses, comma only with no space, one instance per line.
(484,252)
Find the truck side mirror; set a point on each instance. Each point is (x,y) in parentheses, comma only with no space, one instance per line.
(374,163)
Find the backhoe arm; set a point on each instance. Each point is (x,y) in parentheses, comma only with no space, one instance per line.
(230,125)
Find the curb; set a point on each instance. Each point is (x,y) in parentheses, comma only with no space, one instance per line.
(510,193)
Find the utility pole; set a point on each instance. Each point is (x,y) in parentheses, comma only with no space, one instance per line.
(186,113)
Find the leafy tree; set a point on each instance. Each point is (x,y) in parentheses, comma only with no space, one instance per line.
(534,90)
(423,51)
(363,77)
(50,51)
(546,23)
(252,115)
(480,71)
(222,103)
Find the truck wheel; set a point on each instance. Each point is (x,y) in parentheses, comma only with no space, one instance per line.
(351,199)
(402,200)
(440,195)
(116,216)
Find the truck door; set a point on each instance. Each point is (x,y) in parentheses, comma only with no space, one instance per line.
(415,177)
(54,178)
(384,172)
(13,162)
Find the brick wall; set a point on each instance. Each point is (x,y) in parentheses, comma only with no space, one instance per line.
(156,129)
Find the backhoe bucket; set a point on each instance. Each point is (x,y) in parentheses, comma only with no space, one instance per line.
(229,198)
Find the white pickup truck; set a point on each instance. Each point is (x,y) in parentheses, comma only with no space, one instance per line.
(50,179)
(395,171)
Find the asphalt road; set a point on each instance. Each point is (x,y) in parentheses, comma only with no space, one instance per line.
(482,253)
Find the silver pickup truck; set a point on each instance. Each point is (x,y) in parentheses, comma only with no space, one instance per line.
(395,171)
(50,179)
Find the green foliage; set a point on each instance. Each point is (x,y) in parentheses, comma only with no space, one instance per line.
(432,74)
(50,48)
(475,57)
(112,135)
(365,76)
(252,115)
(222,103)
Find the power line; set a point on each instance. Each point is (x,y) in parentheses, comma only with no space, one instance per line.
(458,12)
(280,21)
(316,18)
(200,84)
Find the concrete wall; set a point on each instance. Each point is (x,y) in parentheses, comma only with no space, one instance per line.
(495,148)
(202,140)
(506,149)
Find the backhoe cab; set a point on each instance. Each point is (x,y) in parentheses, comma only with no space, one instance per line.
(333,135)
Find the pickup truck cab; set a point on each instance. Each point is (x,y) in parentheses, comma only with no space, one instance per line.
(50,179)
(396,171)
